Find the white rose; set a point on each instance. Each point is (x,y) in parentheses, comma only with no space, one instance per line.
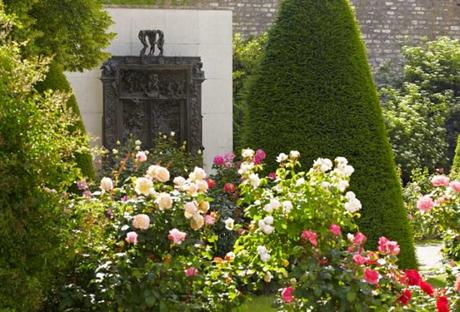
(344,171)
(229,224)
(268,229)
(141,222)
(294,154)
(350,195)
(268,220)
(281,157)
(325,185)
(350,237)
(268,208)
(254,180)
(323,164)
(300,182)
(143,186)
(138,142)
(245,167)
(341,161)
(164,201)
(141,156)
(179,181)
(353,205)
(343,185)
(265,257)
(275,203)
(106,184)
(247,153)
(287,206)
(261,250)
(190,209)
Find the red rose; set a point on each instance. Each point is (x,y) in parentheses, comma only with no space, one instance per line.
(413,278)
(427,288)
(371,276)
(406,296)
(442,304)
(211,183)
(229,188)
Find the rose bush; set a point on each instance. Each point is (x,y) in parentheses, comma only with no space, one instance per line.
(442,206)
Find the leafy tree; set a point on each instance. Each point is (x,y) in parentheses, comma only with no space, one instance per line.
(37,165)
(455,172)
(313,92)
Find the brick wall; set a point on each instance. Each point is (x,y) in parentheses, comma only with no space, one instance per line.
(386,24)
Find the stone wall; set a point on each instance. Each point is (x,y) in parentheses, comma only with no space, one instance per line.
(386,24)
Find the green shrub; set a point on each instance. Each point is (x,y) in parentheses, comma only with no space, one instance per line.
(416,122)
(56,80)
(455,172)
(246,55)
(434,69)
(37,165)
(313,92)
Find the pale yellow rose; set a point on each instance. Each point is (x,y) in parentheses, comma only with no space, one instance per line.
(197,174)
(203,206)
(143,186)
(202,186)
(158,173)
(197,221)
(164,201)
(190,209)
(141,222)
(192,189)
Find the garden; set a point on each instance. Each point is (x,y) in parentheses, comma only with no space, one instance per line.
(337,177)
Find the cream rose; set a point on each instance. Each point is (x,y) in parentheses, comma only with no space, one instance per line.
(164,201)
(190,209)
(106,184)
(141,222)
(158,173)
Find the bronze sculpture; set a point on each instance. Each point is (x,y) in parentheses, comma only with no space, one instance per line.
(149,38)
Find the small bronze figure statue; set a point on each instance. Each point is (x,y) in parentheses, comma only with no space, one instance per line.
(149,38)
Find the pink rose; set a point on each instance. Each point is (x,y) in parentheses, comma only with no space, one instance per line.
(141,156)
(219,160)
(455,185)
(287,294)
(359,259)
(359,239)
(335,230)
(259,157)
(131,238)
(209,219)
(176,236)
(425,204)
(272,176)
(440,180)
(388,247)
(310,236)
(371,276)
(457,283)
(191,272)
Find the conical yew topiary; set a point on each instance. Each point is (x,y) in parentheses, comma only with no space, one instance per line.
(313,92)
(455,171)
(56,80)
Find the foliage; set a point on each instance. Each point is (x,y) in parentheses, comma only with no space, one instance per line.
(455,172)
(424,226)
(442,204)
(56,80)
(313,92)
(246,55)
(74,32)
(431,78)
(416,122)
(37,164)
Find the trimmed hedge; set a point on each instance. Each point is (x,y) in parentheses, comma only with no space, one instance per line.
(313,92)
(455,172)
(56,80)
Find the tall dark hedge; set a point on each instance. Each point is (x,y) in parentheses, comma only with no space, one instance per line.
(56,80)
(455,172)
(313,92)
